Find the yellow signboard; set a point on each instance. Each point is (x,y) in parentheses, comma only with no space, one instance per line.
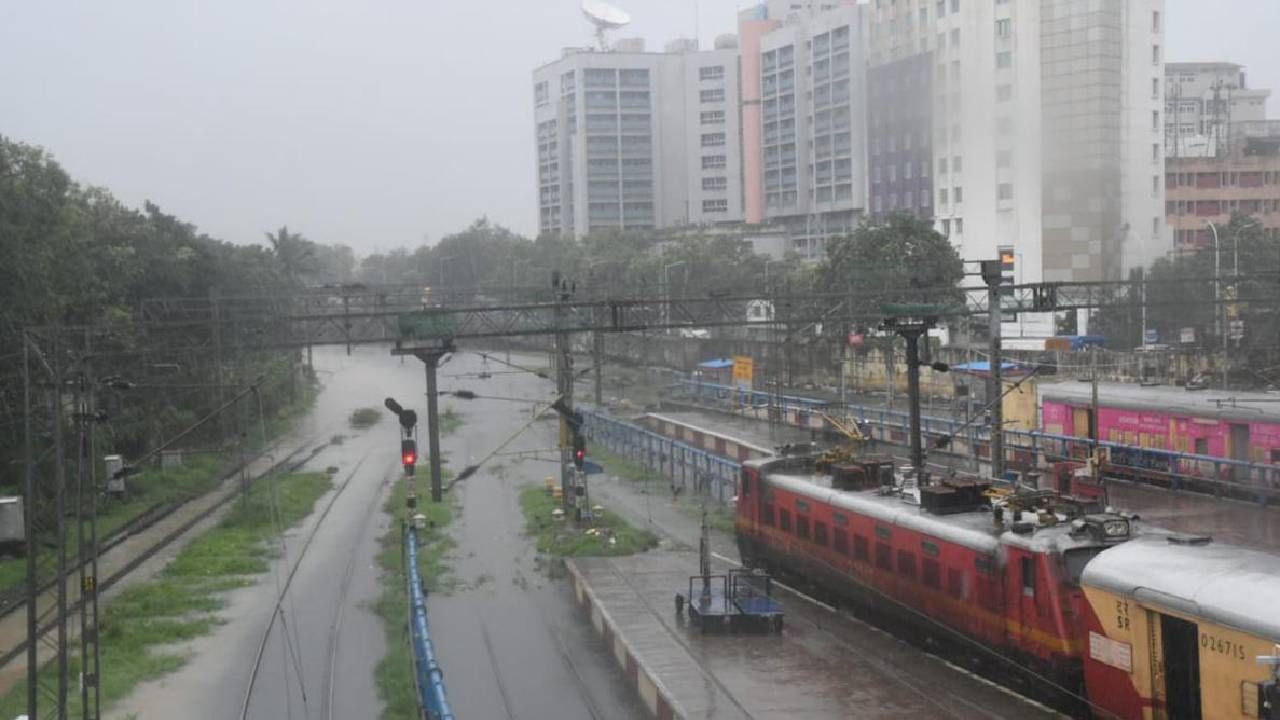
(743,370)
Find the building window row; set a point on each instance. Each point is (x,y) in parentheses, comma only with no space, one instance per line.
(713,117)
(712,95)
(1221,207)
(718,205)
(711,72)
(713,139)
(1210,180)
(715,183)
(713,162)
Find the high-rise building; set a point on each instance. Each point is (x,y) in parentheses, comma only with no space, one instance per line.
(804,119)
(629,139)
(1202,102)
(1045,140)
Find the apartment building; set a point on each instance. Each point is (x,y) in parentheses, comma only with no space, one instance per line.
(1203,101)
(633,140)
(1244,176)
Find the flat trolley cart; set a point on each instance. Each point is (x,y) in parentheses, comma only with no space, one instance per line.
(741,600)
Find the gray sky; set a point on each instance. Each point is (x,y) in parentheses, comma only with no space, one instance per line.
(369,123)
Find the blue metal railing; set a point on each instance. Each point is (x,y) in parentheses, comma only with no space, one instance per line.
(428,678)
(1185,466)
(711,474)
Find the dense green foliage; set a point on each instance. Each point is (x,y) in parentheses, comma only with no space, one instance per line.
(72,255)
(903,260)
(1181,294)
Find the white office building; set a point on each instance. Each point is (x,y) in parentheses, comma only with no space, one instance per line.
(635,140)
(1047,140)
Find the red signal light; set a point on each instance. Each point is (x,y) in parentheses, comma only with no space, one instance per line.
(410,459)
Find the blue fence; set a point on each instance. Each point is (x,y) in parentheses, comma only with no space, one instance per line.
(1033,446)
(428,678)
(684,464)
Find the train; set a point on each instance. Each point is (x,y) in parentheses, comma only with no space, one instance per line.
(1168,437)
(1074,603)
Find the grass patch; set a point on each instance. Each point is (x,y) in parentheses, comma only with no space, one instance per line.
(365,417)
(611,535)
(181,602)
(394,674)
(450,421)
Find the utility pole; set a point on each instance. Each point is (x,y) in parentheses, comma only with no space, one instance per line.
(912,336)
(1093,413)
(992,275)
(564,384)
(60,508)
(87,542)
(29,529)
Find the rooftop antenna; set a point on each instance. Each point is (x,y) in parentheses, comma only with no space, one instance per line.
(605,17)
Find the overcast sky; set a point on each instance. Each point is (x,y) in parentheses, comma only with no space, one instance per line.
(368,122)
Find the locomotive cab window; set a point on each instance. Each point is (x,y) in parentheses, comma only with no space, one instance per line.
(802,527)
(1028,566)
(860,548)
(820,532)
(907,564)
(840,539)
(784,519)
(1075,560)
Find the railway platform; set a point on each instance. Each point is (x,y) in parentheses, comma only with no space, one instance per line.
(822,665)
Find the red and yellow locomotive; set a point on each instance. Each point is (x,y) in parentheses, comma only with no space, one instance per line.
(996,577)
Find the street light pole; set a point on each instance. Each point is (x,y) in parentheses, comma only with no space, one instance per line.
(1220,310)
(666,291)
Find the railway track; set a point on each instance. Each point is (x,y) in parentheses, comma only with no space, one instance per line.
(14,600)
(283,592)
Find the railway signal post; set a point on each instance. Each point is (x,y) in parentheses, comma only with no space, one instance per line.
(430,352)
(993,276)
(913,322)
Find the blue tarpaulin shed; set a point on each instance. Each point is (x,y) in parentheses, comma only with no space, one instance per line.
(716,364)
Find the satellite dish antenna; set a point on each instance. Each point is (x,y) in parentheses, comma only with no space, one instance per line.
(605,17)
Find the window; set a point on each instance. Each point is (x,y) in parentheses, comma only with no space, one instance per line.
(1004,59)
(860,548)
(1155,152)
(1155,54)
(711,72)
(820,533)
(884,556)
(1004,92)
(784,519)
(802,526)
(1155,184)
(540,93)
(713,162)
(955,583)
(955,43)
(942,8)
(1028,577)
(715,183)
(929,573)
(712,139)
(946,228)
(713,95)
(1155,21)
(1155,119)
(1004,28)
(1004,191)
(958,194)
(959,226)
(713,117)
(955,6)
(942,196)
(1155,88)
(907,564)
(840,540)
(715,206)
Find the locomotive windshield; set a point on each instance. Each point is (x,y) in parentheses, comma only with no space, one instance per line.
(1076,559)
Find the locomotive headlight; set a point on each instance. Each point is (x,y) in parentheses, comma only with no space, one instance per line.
(1116,528)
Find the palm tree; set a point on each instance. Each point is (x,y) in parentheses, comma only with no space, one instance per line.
(294,253)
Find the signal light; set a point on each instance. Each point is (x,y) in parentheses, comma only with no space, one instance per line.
(579,451)
(408,454)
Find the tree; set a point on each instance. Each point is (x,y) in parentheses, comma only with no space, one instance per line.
(294,254)
(902,260)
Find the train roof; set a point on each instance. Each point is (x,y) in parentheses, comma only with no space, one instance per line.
(1226,584)
(1245,406)
(975,530)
